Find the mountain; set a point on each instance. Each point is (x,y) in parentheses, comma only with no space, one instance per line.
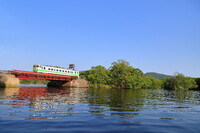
(157,75)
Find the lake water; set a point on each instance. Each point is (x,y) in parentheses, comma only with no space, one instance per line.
(40,109)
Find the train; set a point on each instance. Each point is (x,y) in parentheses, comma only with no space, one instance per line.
(56,70)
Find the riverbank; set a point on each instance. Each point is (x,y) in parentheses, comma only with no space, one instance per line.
(121,75)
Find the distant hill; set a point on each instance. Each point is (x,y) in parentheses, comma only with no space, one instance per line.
(157,75)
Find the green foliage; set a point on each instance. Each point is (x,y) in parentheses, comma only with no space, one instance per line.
(98,76)
(122,75)
(197,80)
(125,76)
(151,83)
(119,75)
(178,82)
(24,81)
(157,75)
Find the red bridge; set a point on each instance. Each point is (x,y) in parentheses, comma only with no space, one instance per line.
(40,76)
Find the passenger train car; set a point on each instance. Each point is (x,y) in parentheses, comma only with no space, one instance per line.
(54,70)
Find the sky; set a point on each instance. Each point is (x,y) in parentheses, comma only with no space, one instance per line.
(153,35)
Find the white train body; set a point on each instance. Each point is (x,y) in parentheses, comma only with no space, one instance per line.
(54,70)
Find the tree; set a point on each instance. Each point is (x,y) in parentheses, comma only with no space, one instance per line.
(125,76)
(179,81)
(151,83)
(97,76)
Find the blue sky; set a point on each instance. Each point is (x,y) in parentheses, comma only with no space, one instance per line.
(154,35)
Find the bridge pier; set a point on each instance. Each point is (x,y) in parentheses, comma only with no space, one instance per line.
(8,80)
(78,83)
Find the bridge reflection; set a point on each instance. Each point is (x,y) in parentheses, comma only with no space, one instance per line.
(40,97)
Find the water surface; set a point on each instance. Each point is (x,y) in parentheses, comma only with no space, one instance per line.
(42,109)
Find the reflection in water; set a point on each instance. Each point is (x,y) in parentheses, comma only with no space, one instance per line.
(8,92)
(180,96)
(83,108)
(43,101)
(51,103)
(123,103)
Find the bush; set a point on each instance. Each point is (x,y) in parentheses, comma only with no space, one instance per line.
(179,81)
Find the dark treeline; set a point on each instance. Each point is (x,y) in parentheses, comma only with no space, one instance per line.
(197,80)
(24,81)
(121,75)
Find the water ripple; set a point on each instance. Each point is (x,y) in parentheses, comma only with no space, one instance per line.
(42,109)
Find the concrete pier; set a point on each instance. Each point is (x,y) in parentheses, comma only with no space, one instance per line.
(8,80)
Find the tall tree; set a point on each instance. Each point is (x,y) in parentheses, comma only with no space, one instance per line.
(125,76)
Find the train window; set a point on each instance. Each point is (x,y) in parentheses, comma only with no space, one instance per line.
(57,70)
(48,68)
(44,67)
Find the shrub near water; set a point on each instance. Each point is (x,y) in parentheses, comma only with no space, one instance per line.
(197,80)
(178,82)
(98,76)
